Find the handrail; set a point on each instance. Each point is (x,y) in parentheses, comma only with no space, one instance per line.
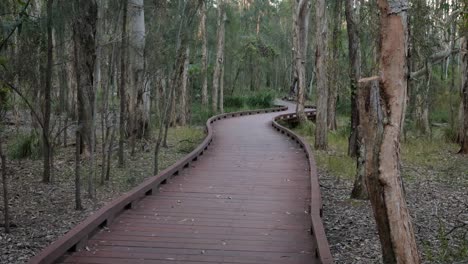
(78,236)
(322,248)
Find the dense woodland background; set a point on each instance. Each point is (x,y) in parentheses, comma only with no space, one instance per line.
(96,95)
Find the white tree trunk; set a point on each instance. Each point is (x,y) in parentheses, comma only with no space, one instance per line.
(139,96)
(219,57)
(321,66)
(184,90)
(301,29)
(202,35)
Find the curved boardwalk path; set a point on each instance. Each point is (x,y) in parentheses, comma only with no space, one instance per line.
(246,200)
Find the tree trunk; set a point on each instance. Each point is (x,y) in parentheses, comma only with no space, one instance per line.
(464,72)
(84,34)
(382,138)
(221,89)
(184,93)
(78,204)
(422,105)
(6,208)
(162,125)
(123,81)
(138,97)
(219,57)
(333,63)
(352,15)
(301,29)
(321,131)
(110,146)
(47,98)
(204,57)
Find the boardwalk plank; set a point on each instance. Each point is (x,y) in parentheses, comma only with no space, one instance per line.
(245,201)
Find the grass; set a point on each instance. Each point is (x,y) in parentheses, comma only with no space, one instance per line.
(235,103)
(25,145)
(433,158)
(445,252)
(334,160)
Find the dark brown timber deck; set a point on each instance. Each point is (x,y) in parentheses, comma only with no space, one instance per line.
(246,200)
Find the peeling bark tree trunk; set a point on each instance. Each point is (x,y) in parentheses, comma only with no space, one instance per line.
(84,34)
(382,138)
(301,29)
(464,124)
(6,209)
(219,57)
(321,130)
(333,78)
(204,58)
(354,47)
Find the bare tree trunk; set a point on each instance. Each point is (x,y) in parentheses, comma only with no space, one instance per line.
(78,204)
(221,89)
(321,141)
(334,62)
(184,93)
(302,14)
(84,32)
(47,97)
(163,124)
(219,56)
(105,127)
(110,146)
(354,47)
(204,57)
(123,80)
(464,93)
(168,120)
(6,208)
(382,138)
(422,104)
(137,110)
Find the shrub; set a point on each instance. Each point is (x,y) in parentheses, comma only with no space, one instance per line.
(234,101)
(450,134)
(25,145)
(261,99)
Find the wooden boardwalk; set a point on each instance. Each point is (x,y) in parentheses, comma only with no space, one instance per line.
(246,200)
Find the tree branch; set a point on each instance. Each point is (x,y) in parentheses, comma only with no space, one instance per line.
(20,94)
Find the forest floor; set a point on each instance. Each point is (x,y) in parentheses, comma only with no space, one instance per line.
(40,213)
(436,184)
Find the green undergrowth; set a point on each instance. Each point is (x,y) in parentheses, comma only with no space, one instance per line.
(234,103)
(181,141)
(445,251)
(434,158)
(25,145)
(428,158)
(334,160)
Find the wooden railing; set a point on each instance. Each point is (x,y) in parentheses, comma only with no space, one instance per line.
(322,248)
(77,237)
